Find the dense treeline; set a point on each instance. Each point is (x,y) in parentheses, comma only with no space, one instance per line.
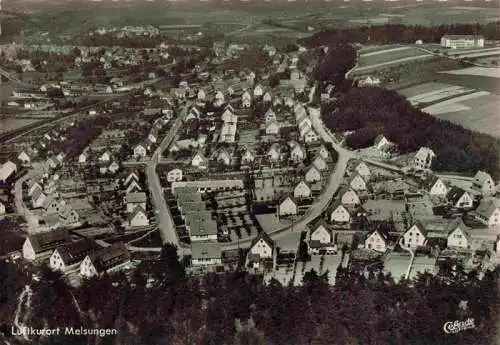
(373,111)
(398,33)
(335,63)
(237,308)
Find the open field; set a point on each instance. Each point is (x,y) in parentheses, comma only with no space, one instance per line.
(479,113)
(389,55)
(479,71)
(433,96)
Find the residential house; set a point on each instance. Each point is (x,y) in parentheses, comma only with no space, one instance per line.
(488,212)
(320,163)
(68,215)
(381,143)
(131,177)
(272,128)
(83,157)
(105,157)
(297,152)
(68,256)
(7,170)
(258,91)
(435,186)
(415,236)
(339,213)
(362,170)
(193,113)
(24,158)
(153,135)
(138,217)
(261,249)
(42,244)
(423,158)
(459,198)
(247,157)
(2,208)
(377,240)
(140,150)
(135,199)
(275,153)
(38,197)
(203,231)
(287,207)
(223,156)
(267,97)
(321,239)
(325,154)
(357,183)
(483,183)
(302,190)
(270,115)
(458,235)
(246,100)
(349,197)
(313,174)
(108,259)
(205,254)
(311,137)
(199,160)
(32,186)
(174,175)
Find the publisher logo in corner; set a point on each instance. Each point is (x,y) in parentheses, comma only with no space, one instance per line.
(452,327)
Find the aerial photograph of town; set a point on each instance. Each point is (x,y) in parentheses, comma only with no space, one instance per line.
(249,172)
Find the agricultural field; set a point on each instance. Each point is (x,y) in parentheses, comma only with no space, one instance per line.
(479,71)
(390,56)
(472,108)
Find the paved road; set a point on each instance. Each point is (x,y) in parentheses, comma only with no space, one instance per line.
(164,218)
(21,208)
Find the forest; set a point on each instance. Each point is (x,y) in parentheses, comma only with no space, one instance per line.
(238,309)
(372,111)
(398,33)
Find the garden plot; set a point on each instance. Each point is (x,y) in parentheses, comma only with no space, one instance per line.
(453,105)
(397,264)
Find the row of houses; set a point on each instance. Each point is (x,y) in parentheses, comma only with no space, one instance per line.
(83,256)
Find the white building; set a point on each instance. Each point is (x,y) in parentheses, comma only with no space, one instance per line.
(302,190)
(488,212)
(174,175)
(458,236)
(415,236)
(483,183)
(42,244)
(462,41)
(339,214)
(287,207)
(205,254)
(423,158)
(377,241)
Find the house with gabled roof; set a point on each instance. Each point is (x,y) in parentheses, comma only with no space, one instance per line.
(246,99)
(262,247)
(381,143)
(435,186)
(258,91)
(83,157)
(135,199)
(105,157)
(320,163)
(339,213)
(423,158)
(297,152)
(488,212)
(415,236)
(2,208)
(222,156)
(313,174)
(138,217)
(42,244)
(267,97)
(38,197)
(458,235)
(131,177)
(287,207)
(362,170)
(275,153)
(7,170)
(68,256)
(321,238)
(377,240)
(32,186)
(302,190)
(357,183)
(199,160)
(459,198)
(133,187)
(311,137)
(483,183)
(174,175)
(24,158)
(247,157)
(272,127)
(349,197)
(140,150)
(105,260)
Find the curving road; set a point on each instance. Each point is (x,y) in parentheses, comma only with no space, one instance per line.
(21,208)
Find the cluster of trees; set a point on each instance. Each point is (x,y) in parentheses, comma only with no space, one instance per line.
(398,33)
(335,63)
(373,111)
(237,308)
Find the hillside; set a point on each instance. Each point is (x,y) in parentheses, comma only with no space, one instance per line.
(373,111)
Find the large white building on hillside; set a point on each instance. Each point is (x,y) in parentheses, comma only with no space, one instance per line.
(462,41)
